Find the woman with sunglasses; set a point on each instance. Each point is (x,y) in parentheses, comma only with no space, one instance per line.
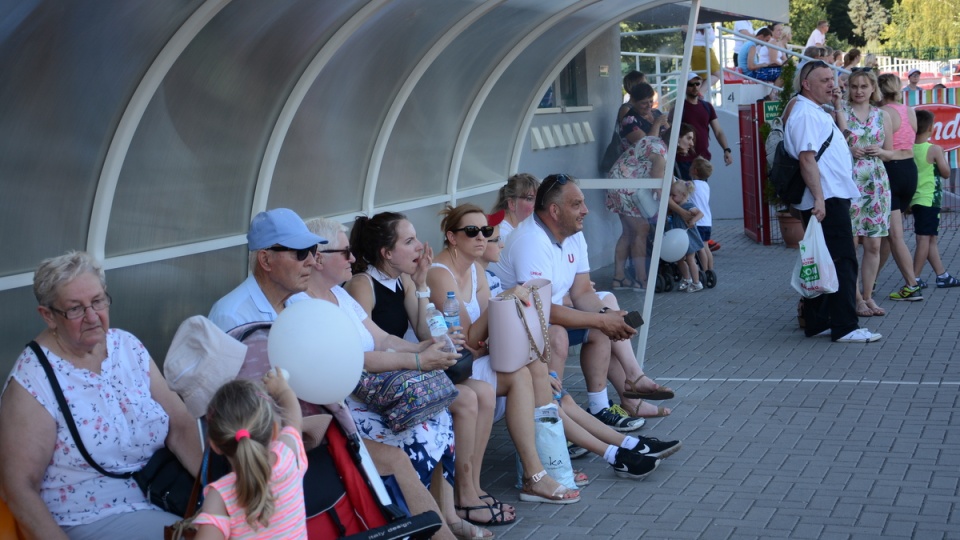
(870,137)
(516,199)
(427,445)
(456,268)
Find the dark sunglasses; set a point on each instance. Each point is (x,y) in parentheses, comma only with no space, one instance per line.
(863,69)
(492,240)
(345,252)
(549,183)
(692,84)
(301,253)
(472,231)
(810,66)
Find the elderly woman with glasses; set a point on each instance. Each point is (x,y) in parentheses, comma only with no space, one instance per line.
(516,198)
(119,402)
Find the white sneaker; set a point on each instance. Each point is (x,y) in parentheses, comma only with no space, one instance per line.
(684,284)
(695,287)
(860,335)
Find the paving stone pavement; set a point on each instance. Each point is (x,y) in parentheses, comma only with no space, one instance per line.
(784,436)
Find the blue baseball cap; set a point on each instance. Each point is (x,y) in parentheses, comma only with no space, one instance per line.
(280,226)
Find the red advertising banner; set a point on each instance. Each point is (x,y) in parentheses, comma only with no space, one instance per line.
(946,124)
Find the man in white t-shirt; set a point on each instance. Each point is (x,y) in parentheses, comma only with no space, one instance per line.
(818,38)
(549,244)
(829,190)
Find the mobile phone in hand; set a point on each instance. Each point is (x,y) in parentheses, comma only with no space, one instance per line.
(634,319)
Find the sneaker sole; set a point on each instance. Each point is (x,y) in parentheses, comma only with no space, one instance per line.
(628,429)
(908,299)
(624,474)
(579,453)
(663,454)
(870,340)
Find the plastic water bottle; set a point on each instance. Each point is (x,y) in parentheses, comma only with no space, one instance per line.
(438,328)
(451,310)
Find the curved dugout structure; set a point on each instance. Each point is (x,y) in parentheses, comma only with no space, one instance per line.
(149,133)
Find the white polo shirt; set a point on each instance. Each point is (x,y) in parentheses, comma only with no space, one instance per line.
(806,130)
(532,252)
(245,304)
(816,37)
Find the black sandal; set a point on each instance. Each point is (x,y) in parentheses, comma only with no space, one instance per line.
(497,516)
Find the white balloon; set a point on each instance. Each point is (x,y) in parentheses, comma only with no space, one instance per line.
(319,346)
(674,246)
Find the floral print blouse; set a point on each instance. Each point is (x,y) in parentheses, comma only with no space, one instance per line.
(120,424)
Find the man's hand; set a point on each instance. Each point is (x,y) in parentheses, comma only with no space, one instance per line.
(819,209)
(727,158)
(613,326)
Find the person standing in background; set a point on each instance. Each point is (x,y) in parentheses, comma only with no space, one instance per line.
(818,38)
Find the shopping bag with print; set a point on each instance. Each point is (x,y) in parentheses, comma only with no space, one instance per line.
(815,273)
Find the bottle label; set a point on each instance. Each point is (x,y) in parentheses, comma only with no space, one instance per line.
(452,320)
(438,326)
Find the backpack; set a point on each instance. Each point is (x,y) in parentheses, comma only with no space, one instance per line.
(783,169)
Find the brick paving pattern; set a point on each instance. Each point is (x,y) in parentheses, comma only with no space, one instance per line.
(784,436)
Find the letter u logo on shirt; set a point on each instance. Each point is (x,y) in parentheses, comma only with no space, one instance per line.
(570,257)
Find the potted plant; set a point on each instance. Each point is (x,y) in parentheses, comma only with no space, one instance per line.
(791,227)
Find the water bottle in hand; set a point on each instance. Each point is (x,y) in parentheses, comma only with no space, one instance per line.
(451,310)
(438,328)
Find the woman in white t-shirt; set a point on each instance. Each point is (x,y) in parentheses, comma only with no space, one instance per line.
(516,199)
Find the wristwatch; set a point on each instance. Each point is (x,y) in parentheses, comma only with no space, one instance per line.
(604,310)
(725,150)
(423,294)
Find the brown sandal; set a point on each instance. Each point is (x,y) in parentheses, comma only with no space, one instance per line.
(863,310)
(631,390)
(635,411)
(877,310)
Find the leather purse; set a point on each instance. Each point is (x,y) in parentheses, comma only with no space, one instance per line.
(518,333)
(462,370)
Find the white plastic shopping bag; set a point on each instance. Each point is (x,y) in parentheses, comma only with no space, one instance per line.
(815,273)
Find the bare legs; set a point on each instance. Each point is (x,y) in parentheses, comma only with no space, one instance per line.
(927,250)
(894,245)
(631,244)
(869,267)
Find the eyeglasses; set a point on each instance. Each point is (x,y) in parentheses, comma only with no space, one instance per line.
(472,231)
(492,240)
(861,69)
(77,312)
(549,183)
(810,66)
(345,252)
(693,84)
(528,198)
(301,253)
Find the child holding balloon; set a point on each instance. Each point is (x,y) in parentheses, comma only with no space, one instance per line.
(263,497)
(680,193)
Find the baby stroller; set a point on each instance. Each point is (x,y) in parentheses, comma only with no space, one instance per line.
(668,274)
(343,493)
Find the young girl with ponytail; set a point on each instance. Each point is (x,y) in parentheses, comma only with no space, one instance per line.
(263,496)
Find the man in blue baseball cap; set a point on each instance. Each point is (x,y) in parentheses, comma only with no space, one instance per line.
(282,254)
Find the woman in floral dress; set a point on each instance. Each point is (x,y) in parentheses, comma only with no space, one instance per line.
(643,157)
(868,134)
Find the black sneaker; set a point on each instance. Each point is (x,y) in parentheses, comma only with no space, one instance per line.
(655,448)
(630,464)
(616,418)
(576,451)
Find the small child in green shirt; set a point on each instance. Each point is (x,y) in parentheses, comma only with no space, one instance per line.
(931,167)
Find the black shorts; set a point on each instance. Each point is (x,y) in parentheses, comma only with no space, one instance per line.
(926,220)
(903,182)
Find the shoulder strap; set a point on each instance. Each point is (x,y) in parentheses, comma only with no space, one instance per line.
(62,402)
(824,147)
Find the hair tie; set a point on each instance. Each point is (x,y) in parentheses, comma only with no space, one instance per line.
(241,433)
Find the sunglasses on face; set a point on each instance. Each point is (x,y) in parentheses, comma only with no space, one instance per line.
(301,253)
(345,252)
(548,184)
(693,84)
(861,69)
(472,231)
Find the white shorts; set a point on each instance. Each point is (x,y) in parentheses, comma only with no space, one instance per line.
(483,372)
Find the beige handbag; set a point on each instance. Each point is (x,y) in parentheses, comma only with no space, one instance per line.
(518,333)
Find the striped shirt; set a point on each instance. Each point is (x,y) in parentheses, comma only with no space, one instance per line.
(289,517)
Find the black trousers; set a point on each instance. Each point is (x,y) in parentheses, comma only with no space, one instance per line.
(837,311)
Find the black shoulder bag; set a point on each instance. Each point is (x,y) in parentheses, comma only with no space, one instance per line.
(785,174)
(164,481)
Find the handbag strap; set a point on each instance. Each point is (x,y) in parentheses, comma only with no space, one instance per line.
(65,410)
(543,356)
(823,148)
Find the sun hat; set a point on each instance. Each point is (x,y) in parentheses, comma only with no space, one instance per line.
(912,71)
(693,75)
(201,359)
(280,226)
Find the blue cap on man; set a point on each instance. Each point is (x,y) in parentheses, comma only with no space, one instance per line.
(280,226)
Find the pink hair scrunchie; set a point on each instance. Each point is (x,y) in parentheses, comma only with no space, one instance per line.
(241,433)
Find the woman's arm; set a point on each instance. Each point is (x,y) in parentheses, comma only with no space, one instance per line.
(429,358)
(441,281)
(360,288)
(28,436)
(183,439)
(416,307)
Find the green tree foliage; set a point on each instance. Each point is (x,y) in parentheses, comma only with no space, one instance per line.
(926,28)
(869,19)
(804,15)
(671,43)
